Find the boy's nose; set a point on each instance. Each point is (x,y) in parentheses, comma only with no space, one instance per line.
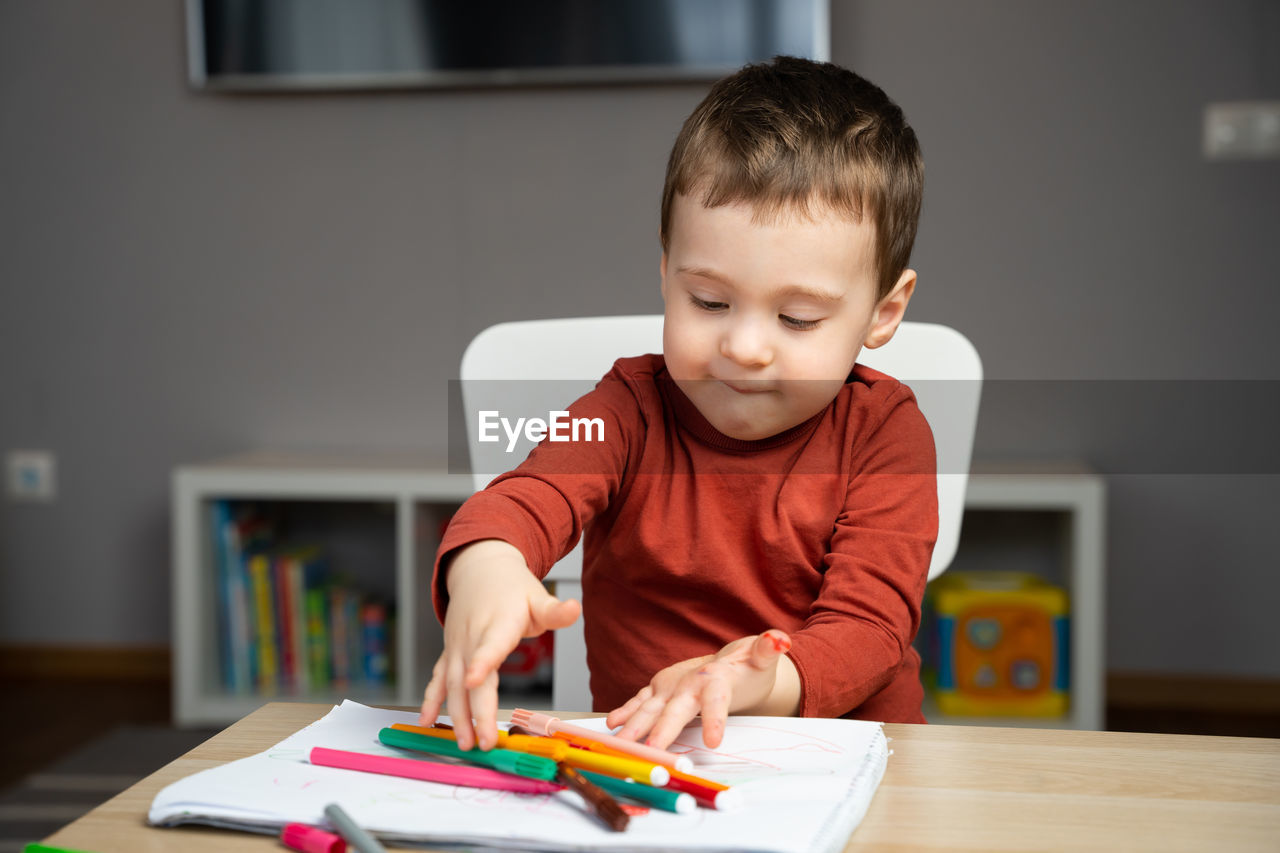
(746,343)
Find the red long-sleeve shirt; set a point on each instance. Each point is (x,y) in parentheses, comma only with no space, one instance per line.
(695,539)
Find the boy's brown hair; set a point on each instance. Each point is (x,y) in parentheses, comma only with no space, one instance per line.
(786,134)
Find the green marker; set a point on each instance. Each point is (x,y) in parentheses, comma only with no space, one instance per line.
(661,798)
(506,760)
(34,847)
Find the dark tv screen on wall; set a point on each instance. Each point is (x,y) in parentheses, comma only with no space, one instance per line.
(240,45)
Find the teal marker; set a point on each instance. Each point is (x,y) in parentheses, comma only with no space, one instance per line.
(661,798)
(506,760)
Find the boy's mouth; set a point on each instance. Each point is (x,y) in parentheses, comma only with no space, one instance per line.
(746,386)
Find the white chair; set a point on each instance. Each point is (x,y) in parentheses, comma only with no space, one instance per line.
(938,362)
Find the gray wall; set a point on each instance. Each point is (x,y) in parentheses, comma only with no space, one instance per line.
(187,275)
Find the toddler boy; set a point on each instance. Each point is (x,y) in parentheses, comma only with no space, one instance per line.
(760,517)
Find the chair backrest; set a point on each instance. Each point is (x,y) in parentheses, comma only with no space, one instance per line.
(945,373)
(566,357)
(939,363)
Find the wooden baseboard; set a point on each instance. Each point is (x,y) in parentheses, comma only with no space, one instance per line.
(85,663)
(1193,693)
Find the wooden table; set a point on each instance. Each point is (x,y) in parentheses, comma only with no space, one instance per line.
(946,788)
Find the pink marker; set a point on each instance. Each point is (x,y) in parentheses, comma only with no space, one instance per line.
(430,771)
(542,724)
(309,839)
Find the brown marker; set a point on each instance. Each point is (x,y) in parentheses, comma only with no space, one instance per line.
(598,800)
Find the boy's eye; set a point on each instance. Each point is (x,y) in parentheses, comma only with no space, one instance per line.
(796,323)
(707,306)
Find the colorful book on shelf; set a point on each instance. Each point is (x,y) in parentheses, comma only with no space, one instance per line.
(282,624)
(230,623)
(339,668)
(235,532)
(255,537)
(317,638)
(265,633)
(359,639)
(308,572)
(296,571)
(282,600)
(355,639)
(374,638)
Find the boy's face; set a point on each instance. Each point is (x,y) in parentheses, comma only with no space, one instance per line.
(763,322)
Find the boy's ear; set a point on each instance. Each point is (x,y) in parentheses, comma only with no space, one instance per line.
(662,273)
(890,310)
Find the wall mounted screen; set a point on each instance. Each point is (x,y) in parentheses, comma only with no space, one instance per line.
(371,44)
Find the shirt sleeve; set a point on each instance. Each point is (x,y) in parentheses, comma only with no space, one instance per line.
(542,506)
(868,608)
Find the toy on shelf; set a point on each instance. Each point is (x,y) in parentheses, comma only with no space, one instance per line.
(1000,642)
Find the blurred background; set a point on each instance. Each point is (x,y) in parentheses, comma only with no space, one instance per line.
(192,272)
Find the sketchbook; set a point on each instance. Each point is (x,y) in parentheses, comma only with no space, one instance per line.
(805,784)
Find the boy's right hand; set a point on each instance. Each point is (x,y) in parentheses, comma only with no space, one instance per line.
(494,601)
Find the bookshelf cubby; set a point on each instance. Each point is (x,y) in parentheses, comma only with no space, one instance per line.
(377,520)
(379,517)
(1048,519)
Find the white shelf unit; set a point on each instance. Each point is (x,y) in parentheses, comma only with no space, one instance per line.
(422,496)
(418,496)
(1077,497)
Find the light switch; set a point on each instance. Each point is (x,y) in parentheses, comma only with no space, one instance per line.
(1242,130)
(32,475)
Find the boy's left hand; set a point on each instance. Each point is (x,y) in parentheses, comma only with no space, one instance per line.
(741,676)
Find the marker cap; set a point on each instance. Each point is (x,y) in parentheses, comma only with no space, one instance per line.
(309,839)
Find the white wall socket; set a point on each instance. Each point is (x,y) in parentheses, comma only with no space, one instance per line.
(1242,130)
(32,475)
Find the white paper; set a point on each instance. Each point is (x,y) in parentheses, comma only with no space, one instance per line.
(805,784)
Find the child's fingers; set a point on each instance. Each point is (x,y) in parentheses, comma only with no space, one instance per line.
(484,711)
(495,643)
(433,696)
(621,714)
(642,718)
(459,705)
(716,698)
(485,660)
(552,614)
(679,712)
(768,647)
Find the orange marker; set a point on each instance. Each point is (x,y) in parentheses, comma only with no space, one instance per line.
(698,780)
(620,766)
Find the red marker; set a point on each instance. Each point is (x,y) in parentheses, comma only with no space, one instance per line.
(709,794)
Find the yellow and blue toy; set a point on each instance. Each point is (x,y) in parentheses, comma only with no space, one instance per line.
(1001,644)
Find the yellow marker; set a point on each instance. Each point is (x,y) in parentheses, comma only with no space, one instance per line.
(558,750)
(447,734)
(548,747)
(554,747)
